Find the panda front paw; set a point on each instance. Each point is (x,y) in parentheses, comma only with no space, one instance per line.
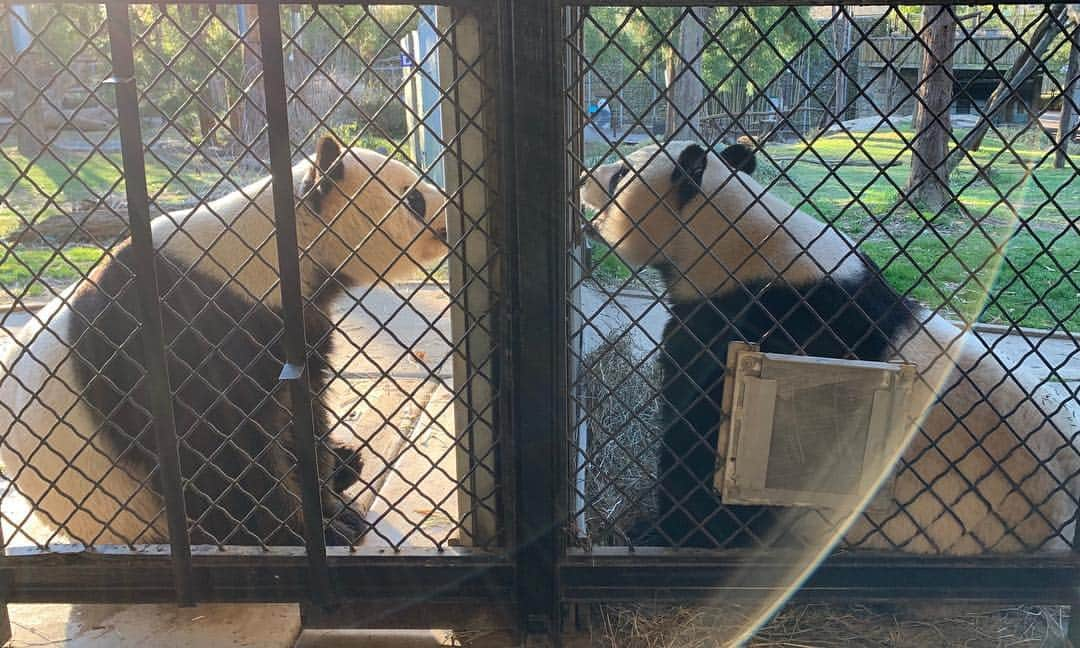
(346,528)
(644,533)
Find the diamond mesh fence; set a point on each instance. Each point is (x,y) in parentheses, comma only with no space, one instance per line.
(894,183)
(390,128)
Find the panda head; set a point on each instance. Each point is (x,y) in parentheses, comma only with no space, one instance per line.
(370,217)
(702,220)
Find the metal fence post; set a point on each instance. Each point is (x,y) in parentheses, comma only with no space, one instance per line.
(536,179)
(295,371)
(466,111)
(138,203)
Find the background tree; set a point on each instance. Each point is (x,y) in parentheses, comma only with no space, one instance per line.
(685,91)
(928,181)
(1070,100)
(1030,58)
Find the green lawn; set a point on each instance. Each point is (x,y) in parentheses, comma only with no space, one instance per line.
(19,270)
(35,192)
(952,257)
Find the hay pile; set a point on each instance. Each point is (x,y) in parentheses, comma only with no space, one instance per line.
(622,408)
(834,626)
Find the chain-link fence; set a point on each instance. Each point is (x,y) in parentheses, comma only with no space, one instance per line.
(253,283)
(459,422)
(927,216)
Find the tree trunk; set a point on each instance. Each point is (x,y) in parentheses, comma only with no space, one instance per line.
(1044,34)
(204,101)
(685,88)
(253,103)
(26,106)
(928,182)
(842,45)
(1070,97)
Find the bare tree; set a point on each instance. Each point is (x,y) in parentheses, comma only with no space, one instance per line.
(928,182)
(1070,97)
(1028,60)
(686,92)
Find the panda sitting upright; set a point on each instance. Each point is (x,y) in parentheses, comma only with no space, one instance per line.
(987,471)
(77,439)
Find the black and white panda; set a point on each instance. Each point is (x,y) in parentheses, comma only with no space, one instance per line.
(77,440)
(985,470)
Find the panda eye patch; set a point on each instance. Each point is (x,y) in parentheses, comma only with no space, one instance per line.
(616,177)
(414,200)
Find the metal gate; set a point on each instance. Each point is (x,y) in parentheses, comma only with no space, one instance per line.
(494,93)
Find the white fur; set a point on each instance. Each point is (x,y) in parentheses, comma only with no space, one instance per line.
(981,473)
(47,426)
(999,468)
(48,448)
(733,230)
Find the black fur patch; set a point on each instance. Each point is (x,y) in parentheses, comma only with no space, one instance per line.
(232,413)
(328,170)
(847,318)
(689,169)
(740,158)
(328,159)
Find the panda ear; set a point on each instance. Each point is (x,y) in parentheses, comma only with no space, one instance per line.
(328,161)
(689,169)
(740,158)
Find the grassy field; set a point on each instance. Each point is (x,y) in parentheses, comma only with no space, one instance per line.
(1010,234)
(18,271)
(50,186)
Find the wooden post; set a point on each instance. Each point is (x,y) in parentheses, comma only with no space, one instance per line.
(842,44)
(1069,99)
(473,273)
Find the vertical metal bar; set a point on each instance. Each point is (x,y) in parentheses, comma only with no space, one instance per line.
(469,225)
(1073,629)
(5,587)
(577,260)
(291,301)
(138,203)
(539,335)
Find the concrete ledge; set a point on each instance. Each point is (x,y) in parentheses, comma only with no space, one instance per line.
(160,626)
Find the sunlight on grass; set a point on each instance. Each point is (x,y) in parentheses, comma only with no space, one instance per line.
(35,192)
(860,200)
(37,268)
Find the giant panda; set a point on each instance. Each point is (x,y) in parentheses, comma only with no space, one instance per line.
(77,439)
(984,471)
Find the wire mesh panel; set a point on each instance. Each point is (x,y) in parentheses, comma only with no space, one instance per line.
(390,131)
(894,183)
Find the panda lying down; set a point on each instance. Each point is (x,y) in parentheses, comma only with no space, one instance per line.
(77,439)
(980,474)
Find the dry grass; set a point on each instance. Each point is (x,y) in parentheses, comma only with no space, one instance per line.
(622,383)
(833,626)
